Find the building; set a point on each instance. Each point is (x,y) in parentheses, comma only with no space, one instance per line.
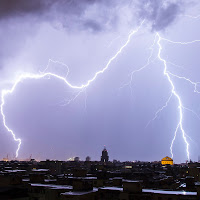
(6,159)
(167,161)
(104,157)
(96,180)
(76,159)
(88,159)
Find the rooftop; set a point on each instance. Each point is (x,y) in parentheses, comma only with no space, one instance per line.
(170,192)
(68,187)
(79,193)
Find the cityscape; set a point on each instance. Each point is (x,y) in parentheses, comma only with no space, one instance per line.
(99,100)
(99,180)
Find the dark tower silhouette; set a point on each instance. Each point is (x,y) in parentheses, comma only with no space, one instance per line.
(104,157)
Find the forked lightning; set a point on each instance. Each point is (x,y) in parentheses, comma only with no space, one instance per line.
(24,76)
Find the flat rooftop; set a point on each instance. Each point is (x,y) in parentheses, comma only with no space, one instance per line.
(170,192)
(52,186)
(79,193)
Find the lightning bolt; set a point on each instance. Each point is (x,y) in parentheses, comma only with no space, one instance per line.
(175,94)
(192,17)
(149,61)
(192,111)
(195,84)
(44,74)
(178,66)
(60,64)
(178,42)
(168,74)
(82,87)
(160,110)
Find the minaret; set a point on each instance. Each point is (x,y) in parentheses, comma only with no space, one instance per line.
(104,157)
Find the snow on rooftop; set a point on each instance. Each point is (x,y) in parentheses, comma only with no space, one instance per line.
(26,179)
(67,187)
(170,192)
(14,170)
(82,178)
(79,193)
(40,170)
(49,180)
(155,191)
(112,188)
(131,181)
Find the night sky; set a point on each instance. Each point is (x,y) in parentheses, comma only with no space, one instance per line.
(55,121)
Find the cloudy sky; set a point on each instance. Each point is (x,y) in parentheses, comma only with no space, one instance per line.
(74,40)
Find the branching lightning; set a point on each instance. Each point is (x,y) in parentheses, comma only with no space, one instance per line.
(160,110)
(192,17)
(195,84)
(178,42)
(192,111)
(173,91)
(81,88)
(149,61)
(44,74)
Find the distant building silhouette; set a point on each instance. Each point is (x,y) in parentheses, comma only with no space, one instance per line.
(6,159)
(88,158)
(104,157)
(76,159)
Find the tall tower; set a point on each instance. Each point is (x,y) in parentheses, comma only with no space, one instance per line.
(104,157)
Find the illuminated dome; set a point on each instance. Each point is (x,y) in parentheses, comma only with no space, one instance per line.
(167,161)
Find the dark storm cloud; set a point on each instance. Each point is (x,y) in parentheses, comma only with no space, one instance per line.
(93,25)
(70,13)
(166,16)
(21,19)
(160,13)
(13,8)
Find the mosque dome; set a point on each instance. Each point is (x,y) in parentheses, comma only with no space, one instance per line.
(167,161)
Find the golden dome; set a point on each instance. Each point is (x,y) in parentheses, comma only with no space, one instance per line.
(167,160)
